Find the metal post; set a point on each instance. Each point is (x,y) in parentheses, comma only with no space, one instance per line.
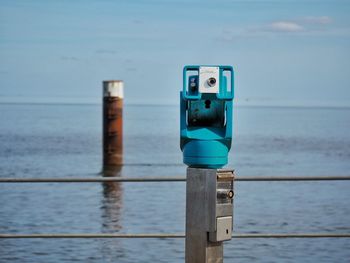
(209,213)
(112,123)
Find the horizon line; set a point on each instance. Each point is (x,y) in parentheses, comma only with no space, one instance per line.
(238,105)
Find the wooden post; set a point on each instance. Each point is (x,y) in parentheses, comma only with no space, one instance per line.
(113,123)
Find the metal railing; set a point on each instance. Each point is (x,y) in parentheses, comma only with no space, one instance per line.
(167,179)
(172,179)
(174,235)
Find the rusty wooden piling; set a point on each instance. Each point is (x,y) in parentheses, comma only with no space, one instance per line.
(112,123)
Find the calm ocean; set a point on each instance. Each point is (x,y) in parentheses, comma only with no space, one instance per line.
(65,140)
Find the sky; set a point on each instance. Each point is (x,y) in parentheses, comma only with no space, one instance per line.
(283,52)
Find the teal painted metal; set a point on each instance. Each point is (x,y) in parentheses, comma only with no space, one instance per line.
(206,117)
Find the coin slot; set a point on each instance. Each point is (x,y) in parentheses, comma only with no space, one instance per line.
(207,104)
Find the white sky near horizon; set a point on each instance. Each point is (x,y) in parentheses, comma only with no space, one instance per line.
(283,52)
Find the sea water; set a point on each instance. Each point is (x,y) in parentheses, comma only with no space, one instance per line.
(57,140)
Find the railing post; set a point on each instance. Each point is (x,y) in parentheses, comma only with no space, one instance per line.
(112,123)
(209,214)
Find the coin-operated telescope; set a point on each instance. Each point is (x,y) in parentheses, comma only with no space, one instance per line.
(206,115)
(205,140)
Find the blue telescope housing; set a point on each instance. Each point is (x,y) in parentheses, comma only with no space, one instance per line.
(206,115)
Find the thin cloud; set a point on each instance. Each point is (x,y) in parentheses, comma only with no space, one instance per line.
(309,25)
(131,69)
(284,26)
(69,58)
(105,51)
(317,20)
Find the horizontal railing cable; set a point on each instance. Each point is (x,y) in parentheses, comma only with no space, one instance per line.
(174,235)
(92,179)
(166,179)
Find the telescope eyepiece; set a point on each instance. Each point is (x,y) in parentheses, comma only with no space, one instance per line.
(211,82)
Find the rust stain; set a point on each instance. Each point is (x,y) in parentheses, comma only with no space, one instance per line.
(112,131)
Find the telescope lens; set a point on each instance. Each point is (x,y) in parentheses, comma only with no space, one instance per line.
(211,82)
